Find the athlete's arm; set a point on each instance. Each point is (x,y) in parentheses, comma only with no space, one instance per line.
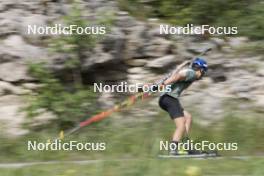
(176,77)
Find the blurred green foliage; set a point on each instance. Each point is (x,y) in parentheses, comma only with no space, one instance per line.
(246,15)
(140,139)
(75,46)
(78,47)
(53,96)
(132,149)
(146,167)
(65,95)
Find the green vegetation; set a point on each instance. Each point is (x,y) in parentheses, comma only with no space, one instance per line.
(52,95)
(78,47)
(141,139)
(65,95)
(137,144)
(146,167)
(246,15)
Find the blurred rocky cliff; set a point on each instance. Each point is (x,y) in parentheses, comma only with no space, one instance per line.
(132,51)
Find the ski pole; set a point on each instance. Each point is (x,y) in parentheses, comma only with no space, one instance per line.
(104,114)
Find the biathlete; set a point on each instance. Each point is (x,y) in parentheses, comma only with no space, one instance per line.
(169,101)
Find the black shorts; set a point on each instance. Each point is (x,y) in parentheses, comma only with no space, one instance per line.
(171,105)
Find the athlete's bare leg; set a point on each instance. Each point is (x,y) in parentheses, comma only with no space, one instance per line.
(188,122)
(180,129)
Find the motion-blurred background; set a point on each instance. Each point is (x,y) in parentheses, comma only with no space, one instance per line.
(46,84)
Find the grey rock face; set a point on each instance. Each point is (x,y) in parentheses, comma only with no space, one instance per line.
(114,43)
(30,22)
(9,110)
(162,62)
(98,58)
(14,48)
(135,42)
(14,72)
(7,88)
(125,21)
(158,47)
(10,21)
(236,42)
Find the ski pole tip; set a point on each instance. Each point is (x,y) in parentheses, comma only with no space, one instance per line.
(61,135)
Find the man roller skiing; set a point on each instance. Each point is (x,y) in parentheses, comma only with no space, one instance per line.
(169,101)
